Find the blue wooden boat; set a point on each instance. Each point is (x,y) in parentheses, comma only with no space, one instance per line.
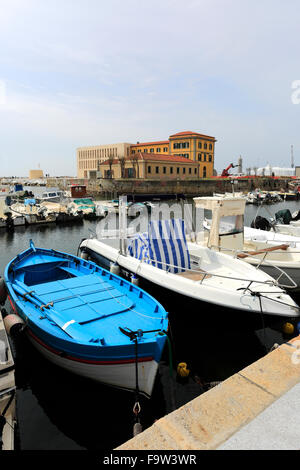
(86,319)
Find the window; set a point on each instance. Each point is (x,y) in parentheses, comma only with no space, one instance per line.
(157,169)
(164,170)
(145,151)
(195,171)
(190,171)
(165,149)
(200,145)
(210,158)
(171,170)
(158,150)
(199,157)
(133,151)
(181,145)
(178,170)
(130,172)
(204,159)
(183,170)
(204,172)
(205,145)
(149,169)
(210,146)
(151,150)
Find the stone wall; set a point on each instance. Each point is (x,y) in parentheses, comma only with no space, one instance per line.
(137,187)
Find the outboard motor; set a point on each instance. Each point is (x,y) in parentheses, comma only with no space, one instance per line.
(261,223)
(284,215)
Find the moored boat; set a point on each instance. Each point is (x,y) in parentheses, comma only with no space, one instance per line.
(86,319)
(274,253)
(163,257)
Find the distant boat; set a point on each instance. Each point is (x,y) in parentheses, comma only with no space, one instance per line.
(52,195)
(86,319)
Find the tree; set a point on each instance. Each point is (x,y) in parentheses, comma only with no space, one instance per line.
(110,163)
(122,165)
(135,159)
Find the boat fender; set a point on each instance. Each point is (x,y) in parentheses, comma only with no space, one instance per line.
(137,428)
(114,268)
(182,369)
(84,255)
(134,279)
(13,324)
(288,328)
(3,292)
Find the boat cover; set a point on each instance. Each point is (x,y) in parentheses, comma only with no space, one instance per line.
(164,246)
(285,215)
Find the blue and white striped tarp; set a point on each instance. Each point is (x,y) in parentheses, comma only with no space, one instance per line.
(164,246)
(139,247)
(167,245)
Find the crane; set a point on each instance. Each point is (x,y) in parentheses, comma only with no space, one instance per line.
(225,171)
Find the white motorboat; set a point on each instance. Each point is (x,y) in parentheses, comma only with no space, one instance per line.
(32,214)
(274,253)
(283,223)
(163,257)
(52,195)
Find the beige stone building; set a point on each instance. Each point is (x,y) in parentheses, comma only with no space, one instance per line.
(89,158)
(150,166)
(36,174)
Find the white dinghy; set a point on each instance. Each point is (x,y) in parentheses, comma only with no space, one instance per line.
(163,257)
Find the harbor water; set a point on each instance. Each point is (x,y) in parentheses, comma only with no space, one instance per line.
(59,411)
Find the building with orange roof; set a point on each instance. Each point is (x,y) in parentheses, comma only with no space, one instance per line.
(150,166)
(189,145)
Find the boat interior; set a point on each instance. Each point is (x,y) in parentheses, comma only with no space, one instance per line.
(82,293)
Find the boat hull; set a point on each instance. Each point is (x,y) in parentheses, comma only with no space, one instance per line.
(201,311)
(240,298)
(120,375)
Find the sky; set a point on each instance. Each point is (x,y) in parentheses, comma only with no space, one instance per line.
(95,72)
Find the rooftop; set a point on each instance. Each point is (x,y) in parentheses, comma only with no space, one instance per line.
(189,134)
(160,142)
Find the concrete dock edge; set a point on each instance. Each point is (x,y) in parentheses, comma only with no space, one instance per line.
(210,419)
